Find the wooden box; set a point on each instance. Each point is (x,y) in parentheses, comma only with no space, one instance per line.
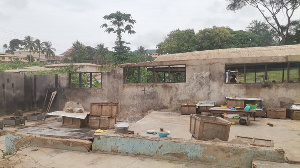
(104,109)
(74,122)
(235,103)
(276,113)
(188,109)
(102,122)
(209,127)
(293,114)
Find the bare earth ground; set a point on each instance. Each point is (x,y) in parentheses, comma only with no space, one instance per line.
(49,158)
(285,133)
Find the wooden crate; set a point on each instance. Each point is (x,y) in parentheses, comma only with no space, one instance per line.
(235,103)
(104,109)
(188,109)
(74,122)
(102,122)
(209,127)
(293,114)
(276,113)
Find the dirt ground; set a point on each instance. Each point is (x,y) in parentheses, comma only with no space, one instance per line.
(56,158)
(284,133)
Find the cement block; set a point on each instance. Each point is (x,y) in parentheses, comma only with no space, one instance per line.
(16,140)
(266,164)
(220,153)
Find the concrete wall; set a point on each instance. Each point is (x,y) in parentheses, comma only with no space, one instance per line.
(26,92)
(11,92)
(205,80)
(109,92)
(220,153)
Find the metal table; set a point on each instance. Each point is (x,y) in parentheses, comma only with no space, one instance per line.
(220,110)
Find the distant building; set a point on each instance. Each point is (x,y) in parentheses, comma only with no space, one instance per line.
(23,54)
(82,67)
(5,58)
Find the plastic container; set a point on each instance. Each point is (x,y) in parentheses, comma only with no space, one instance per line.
(121,128)
(163,134)
(247,108)
(252,106)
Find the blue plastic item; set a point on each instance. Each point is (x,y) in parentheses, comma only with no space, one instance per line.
(247,108)
(232,108)
(163,134)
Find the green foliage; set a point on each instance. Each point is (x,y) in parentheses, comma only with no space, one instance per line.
(19,64)
(79,53)
(48,49)
(119,23)
(213,38)
(100,55)
(30,58)
(266,35)
(178,41)
(274,12)
(294,34)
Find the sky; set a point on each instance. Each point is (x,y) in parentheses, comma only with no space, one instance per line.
(62,22)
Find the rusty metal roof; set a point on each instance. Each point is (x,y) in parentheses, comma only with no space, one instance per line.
(271,51)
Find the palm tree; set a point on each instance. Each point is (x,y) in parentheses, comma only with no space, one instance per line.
(40,47)
(48,49)
(29,45)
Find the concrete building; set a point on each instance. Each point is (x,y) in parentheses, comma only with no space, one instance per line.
(5,58)
(269,73)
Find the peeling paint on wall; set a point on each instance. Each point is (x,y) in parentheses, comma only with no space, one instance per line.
(225,154)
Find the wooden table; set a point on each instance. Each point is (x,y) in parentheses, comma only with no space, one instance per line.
(220,110)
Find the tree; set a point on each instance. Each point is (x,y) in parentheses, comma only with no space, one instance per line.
(271,10)
(178,41)
(40,47)
(242,39)
(119,23)
(48,49)
(5,47)
(100,55)
(14,44)
(294,35)
(266,34)
(29,45)
(79,52)
(213,38)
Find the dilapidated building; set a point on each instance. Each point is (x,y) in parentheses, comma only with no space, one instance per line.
(270,73)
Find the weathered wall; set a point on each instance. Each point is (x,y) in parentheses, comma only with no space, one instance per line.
(11,92)
(16,140)
(109,92)
(220,153)
(26,92)
(205,80)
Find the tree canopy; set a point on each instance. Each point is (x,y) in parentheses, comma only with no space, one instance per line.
(277,13)
(178,41)
(119,23)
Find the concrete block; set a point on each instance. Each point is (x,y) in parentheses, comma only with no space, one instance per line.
(16,140)
(220,153)
(267,164)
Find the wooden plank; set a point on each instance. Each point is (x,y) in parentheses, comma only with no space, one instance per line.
(112,122)
(104,122)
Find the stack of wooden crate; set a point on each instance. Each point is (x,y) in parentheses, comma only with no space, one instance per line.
(103,115)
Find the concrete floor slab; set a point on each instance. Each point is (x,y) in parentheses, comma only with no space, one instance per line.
(284,133)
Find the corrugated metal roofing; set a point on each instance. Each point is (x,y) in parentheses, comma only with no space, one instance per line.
(286,50)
